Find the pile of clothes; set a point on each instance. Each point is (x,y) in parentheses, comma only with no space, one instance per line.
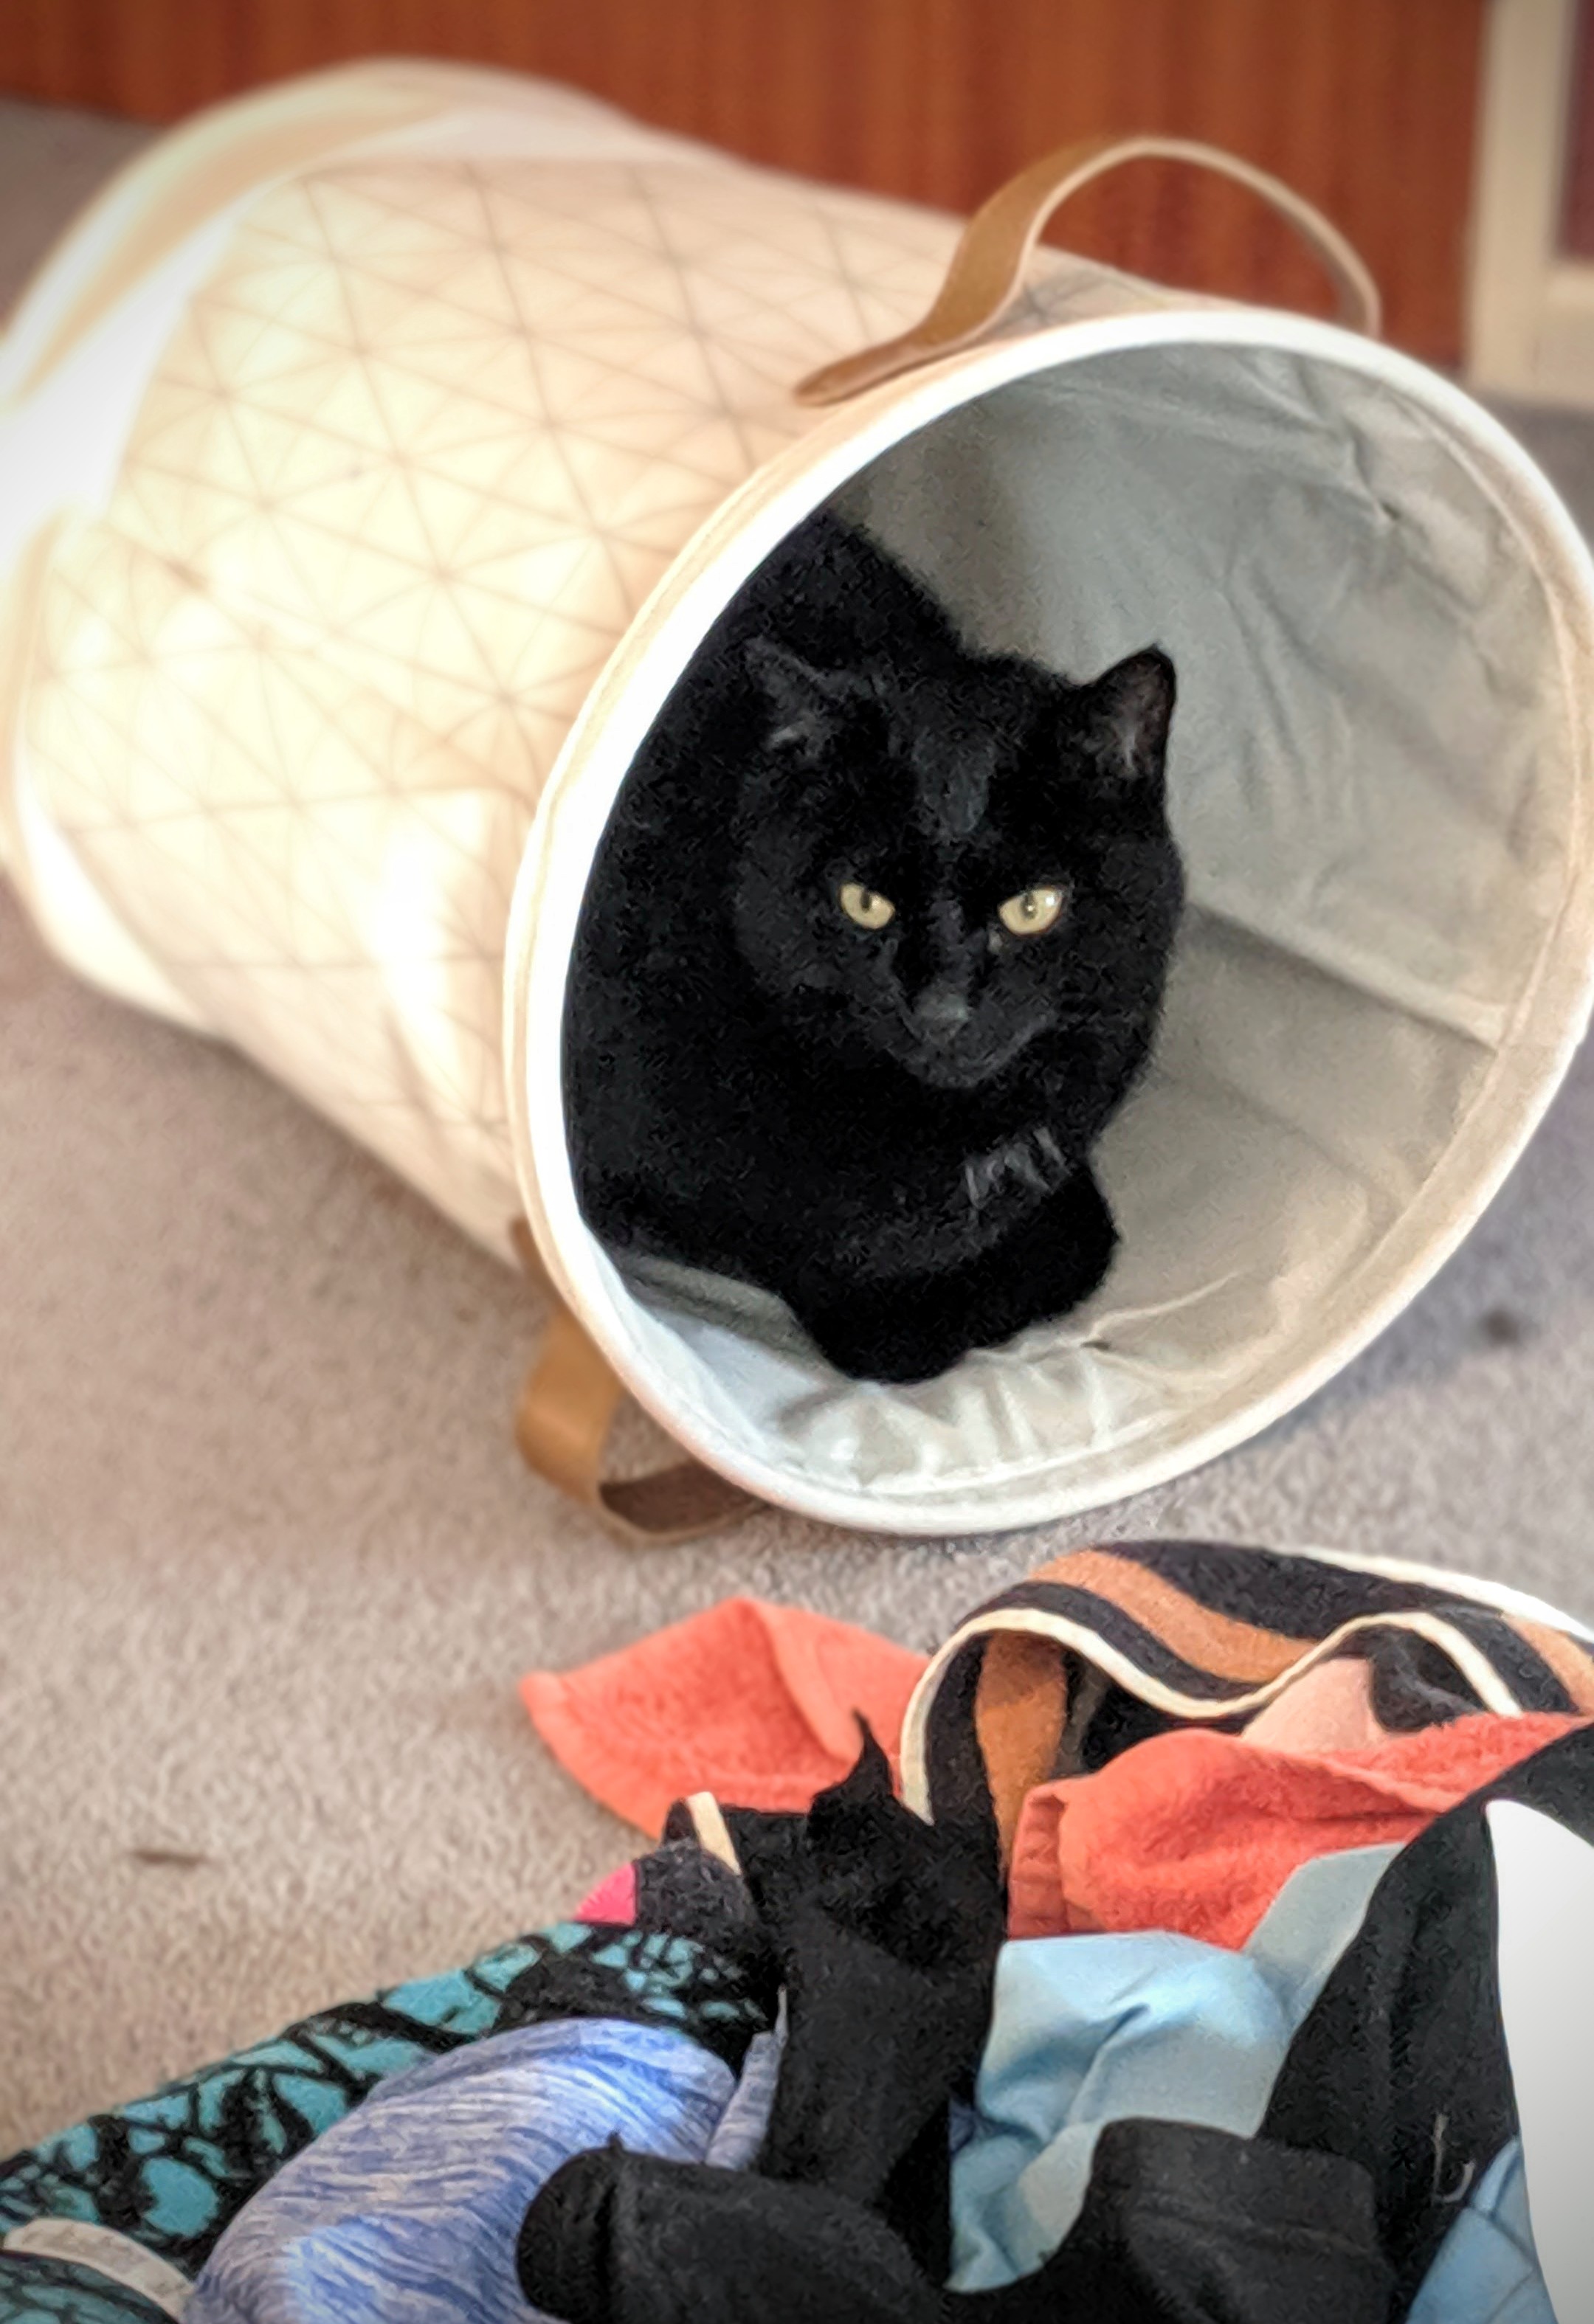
(1205,1935)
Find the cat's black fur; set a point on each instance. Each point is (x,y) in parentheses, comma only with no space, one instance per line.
(889,1127)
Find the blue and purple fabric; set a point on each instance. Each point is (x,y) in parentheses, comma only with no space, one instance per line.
(165,2176)
(411,2206)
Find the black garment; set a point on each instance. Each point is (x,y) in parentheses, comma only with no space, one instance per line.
(1184,2225)
(887,1930)
(883,1932)
(916,2200)
(1416,1683)
(619,2238)
(1180,2225)
(1402,2065)
(1394,2098)
(683,1891)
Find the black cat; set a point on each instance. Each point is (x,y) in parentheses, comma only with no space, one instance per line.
(874,946)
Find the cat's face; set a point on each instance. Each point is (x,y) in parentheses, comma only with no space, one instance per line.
(956,874)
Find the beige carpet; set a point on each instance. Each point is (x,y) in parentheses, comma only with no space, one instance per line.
(271,1568)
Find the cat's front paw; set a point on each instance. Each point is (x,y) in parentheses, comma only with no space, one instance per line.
(895,1337)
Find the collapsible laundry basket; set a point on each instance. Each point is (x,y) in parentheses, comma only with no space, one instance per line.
(377,452)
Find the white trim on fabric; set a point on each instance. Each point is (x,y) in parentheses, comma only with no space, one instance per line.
(713,1830)
(1474,1665)
(1544,1877)
(1470,1587)
(83,2243)
(1476,1586)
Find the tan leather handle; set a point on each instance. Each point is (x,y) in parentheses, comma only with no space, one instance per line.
(563,1423)
(990,264)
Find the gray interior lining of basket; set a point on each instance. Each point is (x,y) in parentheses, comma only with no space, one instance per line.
(1371,777)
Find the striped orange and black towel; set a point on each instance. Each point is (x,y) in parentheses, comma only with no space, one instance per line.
(1111,1644)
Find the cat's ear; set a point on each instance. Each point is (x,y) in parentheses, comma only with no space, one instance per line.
(1126,716)
(807,707)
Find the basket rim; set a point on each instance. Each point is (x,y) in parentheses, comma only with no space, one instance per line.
(1548,1024)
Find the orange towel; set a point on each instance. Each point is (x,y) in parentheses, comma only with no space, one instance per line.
(751,1702)
(1198,1832)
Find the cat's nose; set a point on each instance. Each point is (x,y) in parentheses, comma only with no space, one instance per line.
(942,1010)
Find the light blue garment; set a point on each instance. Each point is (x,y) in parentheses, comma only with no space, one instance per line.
(1486,2270)
(1087,2030)
(408,2211)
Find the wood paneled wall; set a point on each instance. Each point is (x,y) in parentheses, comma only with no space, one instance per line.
(1368,105)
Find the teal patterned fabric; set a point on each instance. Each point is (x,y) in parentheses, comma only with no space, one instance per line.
(48,2292)
(171,2171)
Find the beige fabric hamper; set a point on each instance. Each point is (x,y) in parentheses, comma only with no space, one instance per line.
(374,456)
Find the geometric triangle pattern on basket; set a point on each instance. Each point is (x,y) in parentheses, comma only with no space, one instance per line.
(413,459)
(414,456)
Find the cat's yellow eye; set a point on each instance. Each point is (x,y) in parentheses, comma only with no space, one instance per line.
(1032,912)
(863,907)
